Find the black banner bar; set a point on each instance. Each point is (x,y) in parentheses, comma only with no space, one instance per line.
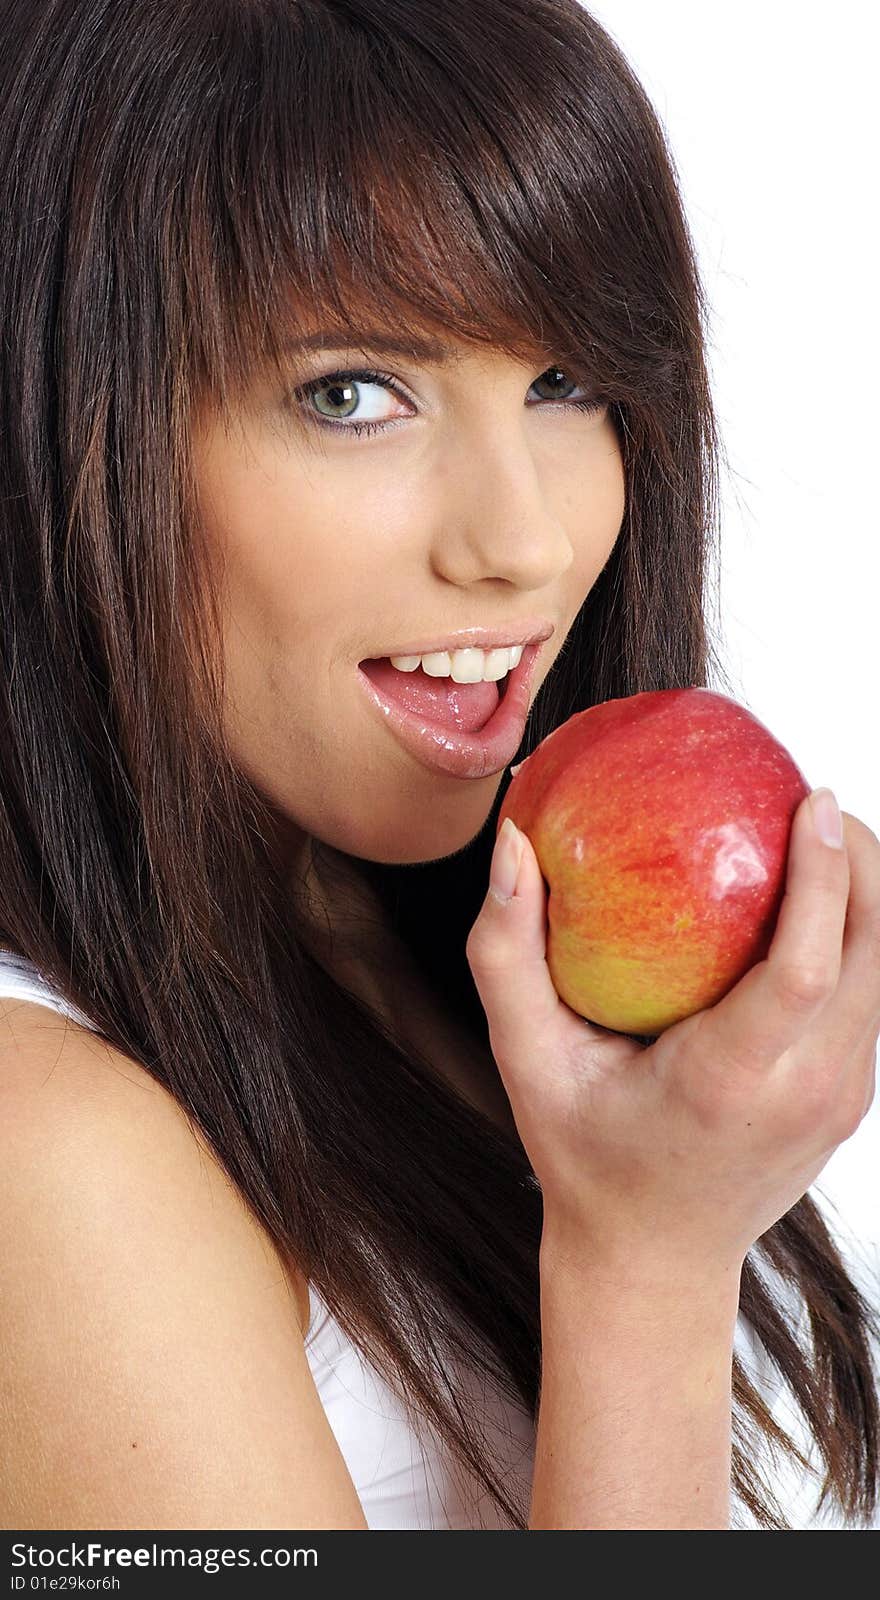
(134,1564)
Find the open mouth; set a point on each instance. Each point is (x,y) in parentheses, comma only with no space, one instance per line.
(460,729)
(462,707)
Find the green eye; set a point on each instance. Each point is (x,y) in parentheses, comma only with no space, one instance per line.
(339,392)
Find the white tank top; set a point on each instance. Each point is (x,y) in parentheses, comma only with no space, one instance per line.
(405,1477)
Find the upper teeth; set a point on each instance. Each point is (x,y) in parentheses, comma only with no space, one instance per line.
(464,666)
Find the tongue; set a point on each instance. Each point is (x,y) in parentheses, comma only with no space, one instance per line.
(465,706)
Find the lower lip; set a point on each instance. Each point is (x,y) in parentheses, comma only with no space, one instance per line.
(464,755)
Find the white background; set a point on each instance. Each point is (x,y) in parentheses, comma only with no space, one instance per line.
(769,110)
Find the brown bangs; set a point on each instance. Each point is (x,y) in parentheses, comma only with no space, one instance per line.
(358,175)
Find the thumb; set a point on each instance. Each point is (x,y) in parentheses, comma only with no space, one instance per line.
(507,947)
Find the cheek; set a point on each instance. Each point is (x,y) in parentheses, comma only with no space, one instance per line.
(595,502)
(610,480)
(296,556)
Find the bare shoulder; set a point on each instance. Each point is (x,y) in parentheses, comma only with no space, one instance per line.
(68,1098)
(31,1033)
(148,1327)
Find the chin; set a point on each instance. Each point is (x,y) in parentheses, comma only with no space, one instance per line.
(430,832)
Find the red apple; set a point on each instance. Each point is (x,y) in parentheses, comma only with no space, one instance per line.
(661,825)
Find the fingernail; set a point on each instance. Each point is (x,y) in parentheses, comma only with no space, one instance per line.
(826,817)
(515,770)
(505,863)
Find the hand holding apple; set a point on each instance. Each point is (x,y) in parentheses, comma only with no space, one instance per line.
(666,1162)
(661,825)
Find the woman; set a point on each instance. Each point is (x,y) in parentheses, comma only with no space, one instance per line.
(340,333)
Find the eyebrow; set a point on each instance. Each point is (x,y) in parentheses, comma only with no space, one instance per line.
(373,339)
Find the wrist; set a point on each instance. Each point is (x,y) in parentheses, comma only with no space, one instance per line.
(667,1272)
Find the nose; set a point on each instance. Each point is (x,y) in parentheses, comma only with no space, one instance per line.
(496,517)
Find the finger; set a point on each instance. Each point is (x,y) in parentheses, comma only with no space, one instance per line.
(508,956)
(838,1056)
(777,1001)
(851,1019)
(857,999)
(850,1024)
(506,948)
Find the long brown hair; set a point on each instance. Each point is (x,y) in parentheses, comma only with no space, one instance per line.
(179,181)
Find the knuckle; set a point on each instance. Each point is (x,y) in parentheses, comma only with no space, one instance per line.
(483,952)
(835,1095)
(820,1108)
(801,988)
(848,1112)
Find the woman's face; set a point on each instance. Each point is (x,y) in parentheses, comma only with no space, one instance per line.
(488,499)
